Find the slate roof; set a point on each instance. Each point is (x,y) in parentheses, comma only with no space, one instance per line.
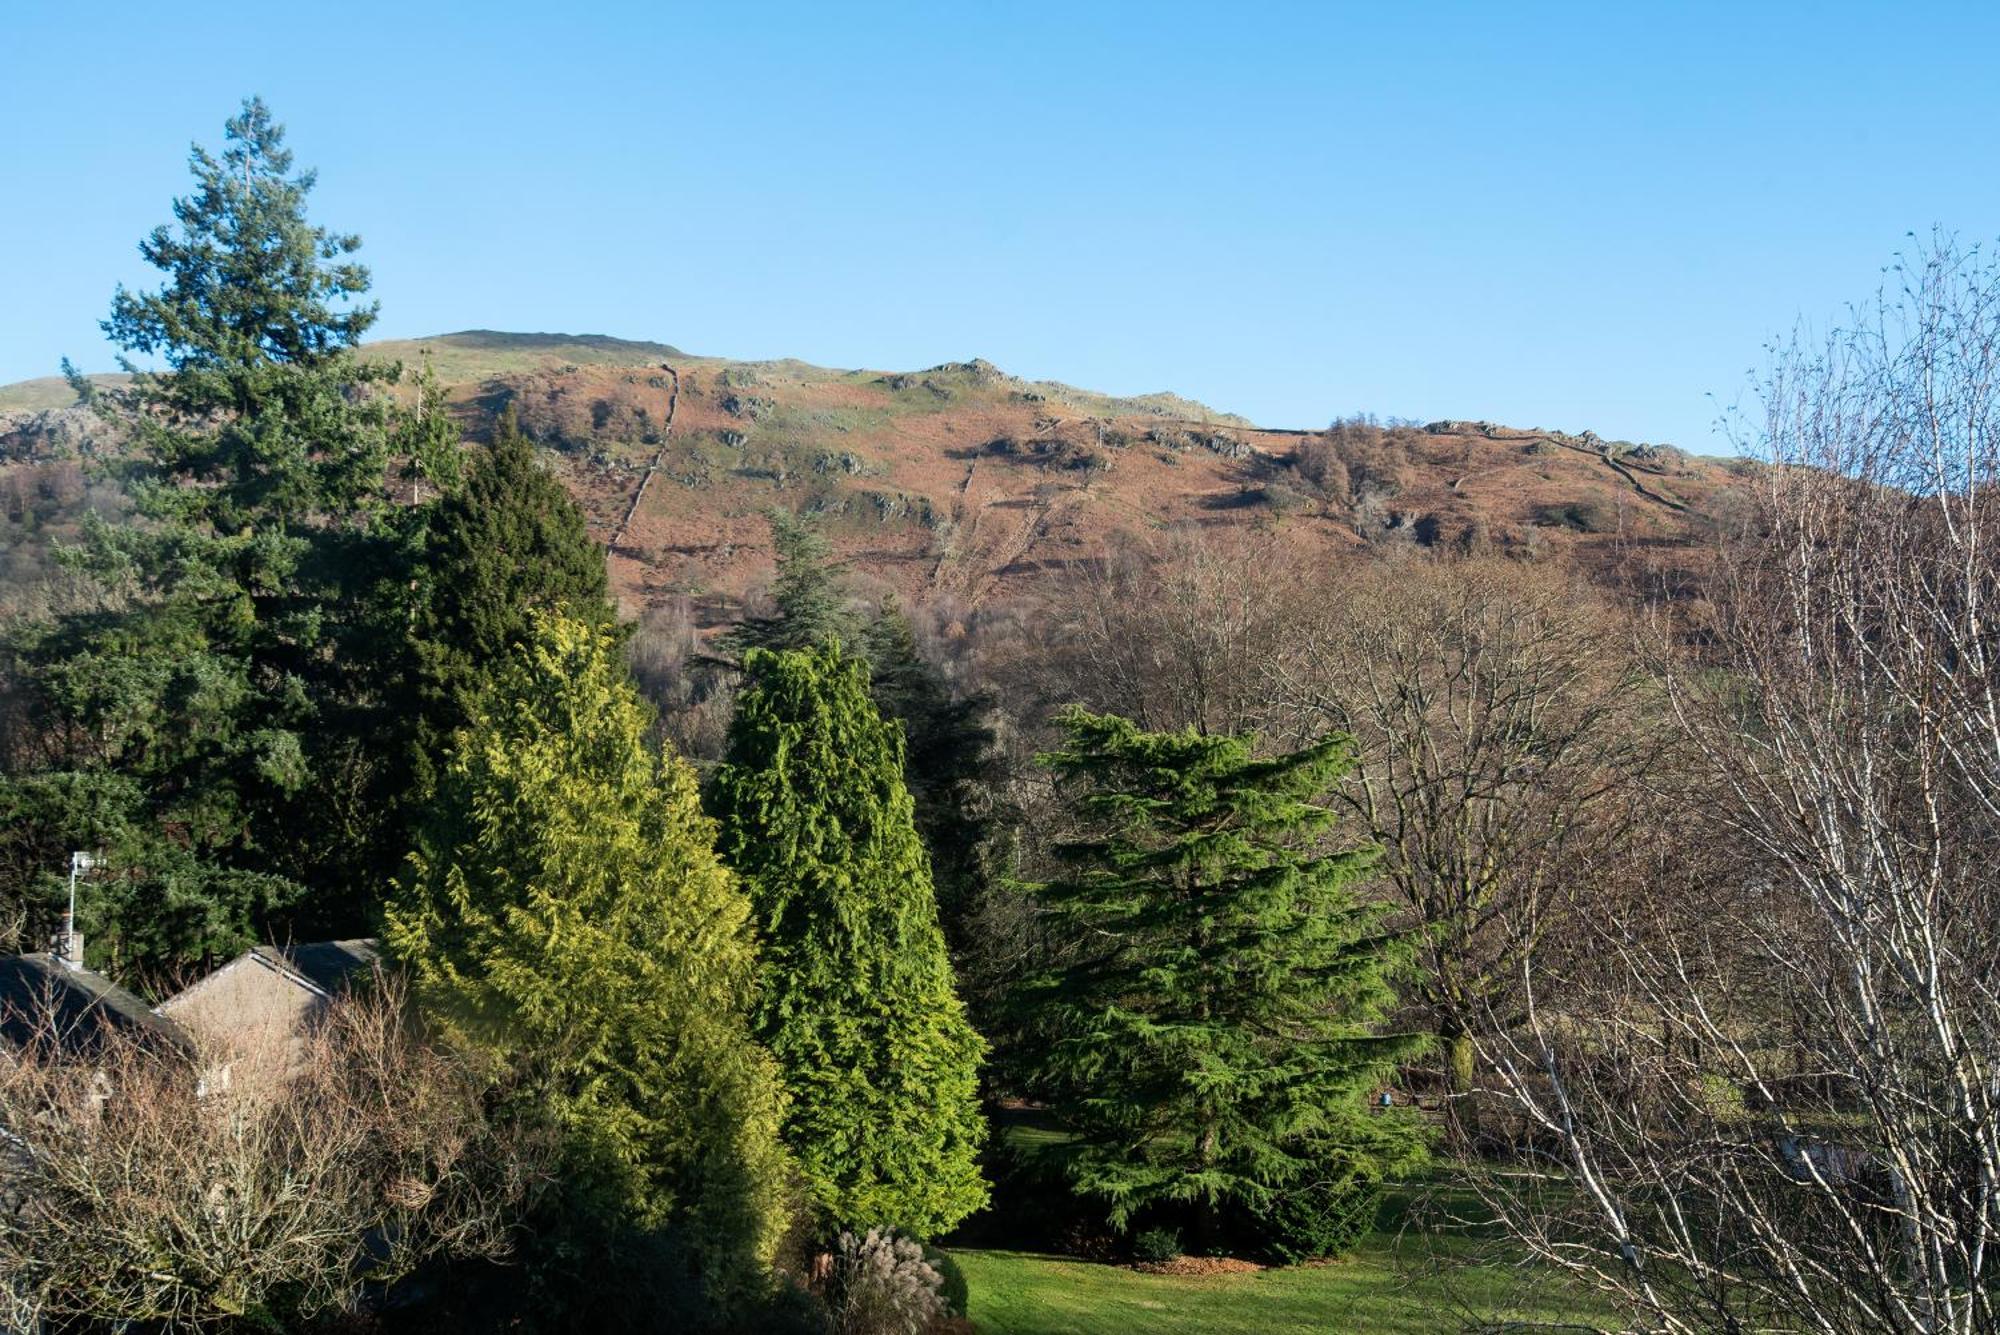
(82,1004)
(327,965)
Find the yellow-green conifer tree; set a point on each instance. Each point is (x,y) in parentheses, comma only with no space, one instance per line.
(566,910)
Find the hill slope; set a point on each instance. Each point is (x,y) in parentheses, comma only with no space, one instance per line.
(961,481)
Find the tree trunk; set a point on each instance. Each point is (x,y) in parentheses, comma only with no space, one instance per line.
(1206,1231)
(1458,1064)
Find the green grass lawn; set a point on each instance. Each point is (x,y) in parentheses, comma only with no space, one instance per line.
(1435,1263)
(1385,1288)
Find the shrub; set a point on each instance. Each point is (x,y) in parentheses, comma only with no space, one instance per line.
(1283,499)
(1157,1245)
(1083,459)
(882,1285)
(1583,516)
(138,1197)
(1319,463)
(1324,1218)
(793,1310)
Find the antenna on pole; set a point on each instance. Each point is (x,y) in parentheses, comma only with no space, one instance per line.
(70,947)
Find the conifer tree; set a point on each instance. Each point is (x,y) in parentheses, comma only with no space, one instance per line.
(229,670)
(1212,1043)
(809,603)
(857,997)
(429,442)
(948,754)
(948,760)
(504,544)
(565,909)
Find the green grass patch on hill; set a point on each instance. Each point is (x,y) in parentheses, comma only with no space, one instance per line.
(477,354)
(828,427)
(49,391)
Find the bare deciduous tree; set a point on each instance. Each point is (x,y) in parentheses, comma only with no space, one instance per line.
(1170,633)
(1500,732)
(1773,1084)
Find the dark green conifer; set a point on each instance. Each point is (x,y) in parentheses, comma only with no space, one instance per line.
(948,761)
(1213,1042)
(948,756)
(858,1003)
(503,546)
(231,669)
(810,605)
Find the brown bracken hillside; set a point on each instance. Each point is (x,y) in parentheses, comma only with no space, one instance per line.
(963,482)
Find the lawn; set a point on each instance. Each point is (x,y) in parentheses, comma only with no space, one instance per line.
(1435,1263)
(1385,1288)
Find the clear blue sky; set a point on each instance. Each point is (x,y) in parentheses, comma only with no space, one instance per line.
(1589,215)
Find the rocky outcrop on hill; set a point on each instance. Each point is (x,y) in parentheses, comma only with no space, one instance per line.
(53,433)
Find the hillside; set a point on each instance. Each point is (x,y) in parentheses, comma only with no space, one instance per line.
(963,482)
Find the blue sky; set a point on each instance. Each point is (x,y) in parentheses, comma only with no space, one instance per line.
(1577,216)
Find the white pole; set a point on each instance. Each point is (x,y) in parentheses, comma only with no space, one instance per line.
(78,862)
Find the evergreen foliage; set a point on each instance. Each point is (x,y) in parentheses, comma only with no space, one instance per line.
(503,546)
(175,907)
(428,440)
(857,1003)
(565,909)
(809,603)
(225,667)
(1211,1039)
(948,760)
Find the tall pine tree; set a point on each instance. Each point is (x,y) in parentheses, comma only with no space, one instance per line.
(504,545)
(1213,1041)
(226,668)
(857,1001)
(566,910)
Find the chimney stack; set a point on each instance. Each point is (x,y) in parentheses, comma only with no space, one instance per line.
(68,945)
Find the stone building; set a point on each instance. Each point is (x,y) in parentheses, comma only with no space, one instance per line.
(253,1014)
